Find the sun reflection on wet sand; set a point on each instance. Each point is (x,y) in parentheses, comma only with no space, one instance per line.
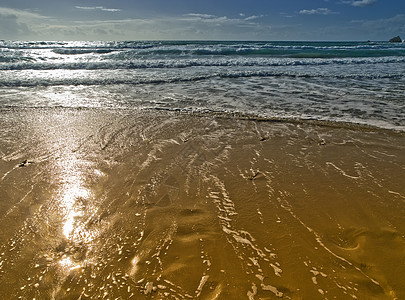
(70,197)
(68,227)
(67,263)
(75,204)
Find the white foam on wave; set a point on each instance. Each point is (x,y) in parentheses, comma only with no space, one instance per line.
(361,87)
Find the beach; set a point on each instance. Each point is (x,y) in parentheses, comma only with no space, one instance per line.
(158,204)
(202,170)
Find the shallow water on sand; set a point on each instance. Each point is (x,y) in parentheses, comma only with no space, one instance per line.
(141,204)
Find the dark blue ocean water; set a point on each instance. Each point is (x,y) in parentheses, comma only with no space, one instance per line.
(358,82)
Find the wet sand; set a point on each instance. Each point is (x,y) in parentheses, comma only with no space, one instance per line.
(162,205)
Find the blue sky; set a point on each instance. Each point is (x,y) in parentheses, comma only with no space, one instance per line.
(208,19)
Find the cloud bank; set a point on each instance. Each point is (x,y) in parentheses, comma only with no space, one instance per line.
(33,25)
(23,25)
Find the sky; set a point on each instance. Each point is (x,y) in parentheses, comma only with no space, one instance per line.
(302,20)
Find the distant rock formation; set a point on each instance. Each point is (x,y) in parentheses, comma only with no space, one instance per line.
(396,39)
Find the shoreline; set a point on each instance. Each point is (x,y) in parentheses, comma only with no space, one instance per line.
(220,115)
(158,204)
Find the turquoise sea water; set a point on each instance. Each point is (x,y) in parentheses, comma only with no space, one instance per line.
(357,82)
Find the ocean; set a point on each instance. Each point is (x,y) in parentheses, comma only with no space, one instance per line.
(348,82)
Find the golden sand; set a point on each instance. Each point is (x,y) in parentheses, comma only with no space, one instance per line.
(158,205)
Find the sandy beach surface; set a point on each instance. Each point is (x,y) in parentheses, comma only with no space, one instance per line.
(164,205)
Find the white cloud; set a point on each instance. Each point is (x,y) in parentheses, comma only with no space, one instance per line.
(318,11)
(201,16)
(23,14)
(253,18)
(11,27)
(360,3)
(193,17)
(17,24)
(97,8)
(286,15)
